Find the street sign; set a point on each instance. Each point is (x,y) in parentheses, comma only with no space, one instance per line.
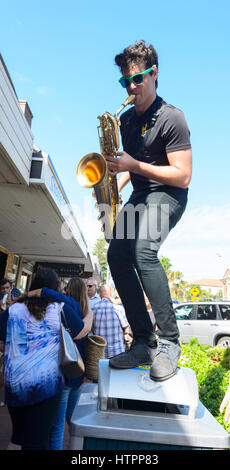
(195,293)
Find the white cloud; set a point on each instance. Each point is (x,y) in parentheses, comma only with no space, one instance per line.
(58,119)
(86,216)
(206,224)
(18,22)
(91,229)
(43,90)
(199,245)
(20,78)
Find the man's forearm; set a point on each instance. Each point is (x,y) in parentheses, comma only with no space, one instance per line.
(123,180)
(167,174)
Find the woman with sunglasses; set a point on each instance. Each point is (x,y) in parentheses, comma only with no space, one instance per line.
(156,157)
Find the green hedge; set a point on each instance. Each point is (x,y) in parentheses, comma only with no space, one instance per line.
(212,369)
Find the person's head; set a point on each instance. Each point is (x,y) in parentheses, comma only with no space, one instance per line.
(91,285)
(45,278)
(105,291)
(5,287)
(135,59)
(37,305)
(76,288)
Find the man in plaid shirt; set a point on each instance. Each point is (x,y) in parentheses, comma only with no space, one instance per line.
(110,322)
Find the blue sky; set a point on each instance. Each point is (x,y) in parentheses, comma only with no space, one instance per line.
(60,56)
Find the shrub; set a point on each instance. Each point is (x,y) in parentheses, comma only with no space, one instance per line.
(211,366)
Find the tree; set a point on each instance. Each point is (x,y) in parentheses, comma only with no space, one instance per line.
(176,284)
(219,295)
(166,264)
(180,289)
(100,250)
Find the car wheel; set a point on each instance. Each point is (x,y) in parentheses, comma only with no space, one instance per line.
(224,342)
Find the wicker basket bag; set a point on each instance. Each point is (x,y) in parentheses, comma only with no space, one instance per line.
(94,347)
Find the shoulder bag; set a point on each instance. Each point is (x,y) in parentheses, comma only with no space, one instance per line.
(70,361)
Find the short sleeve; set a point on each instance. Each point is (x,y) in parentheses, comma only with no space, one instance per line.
(120,311)
(175,131)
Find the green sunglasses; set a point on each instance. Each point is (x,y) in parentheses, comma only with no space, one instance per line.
(137,78)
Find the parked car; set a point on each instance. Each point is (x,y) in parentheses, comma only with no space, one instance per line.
(208,321)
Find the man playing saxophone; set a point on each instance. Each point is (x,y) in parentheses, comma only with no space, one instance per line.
(157,158)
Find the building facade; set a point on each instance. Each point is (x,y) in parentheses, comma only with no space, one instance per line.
(37,225)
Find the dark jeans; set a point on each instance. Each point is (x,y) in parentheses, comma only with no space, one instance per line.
(138,234)
(32,424)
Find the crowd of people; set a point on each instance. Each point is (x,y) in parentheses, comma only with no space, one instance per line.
(8,293)
(39,398)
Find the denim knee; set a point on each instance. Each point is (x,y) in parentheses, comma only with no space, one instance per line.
(146,257)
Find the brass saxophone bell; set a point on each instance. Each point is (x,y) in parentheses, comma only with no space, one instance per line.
(92,170)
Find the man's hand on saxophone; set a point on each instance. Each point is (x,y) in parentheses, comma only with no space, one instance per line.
(122,164)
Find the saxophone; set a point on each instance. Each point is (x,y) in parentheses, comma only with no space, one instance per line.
(92,170)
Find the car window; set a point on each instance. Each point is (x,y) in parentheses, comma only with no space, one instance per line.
(206,312)
(184,312)
(225,311)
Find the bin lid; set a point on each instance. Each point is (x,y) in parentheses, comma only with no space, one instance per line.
(135,384)
(136,426)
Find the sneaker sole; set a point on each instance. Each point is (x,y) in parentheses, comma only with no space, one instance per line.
(131,367)
(161,379)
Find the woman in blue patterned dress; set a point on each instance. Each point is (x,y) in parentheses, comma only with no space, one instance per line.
(33,380)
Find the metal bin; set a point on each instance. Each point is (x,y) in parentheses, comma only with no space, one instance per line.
(127,410)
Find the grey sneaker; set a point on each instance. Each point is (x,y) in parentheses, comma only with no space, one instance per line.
(138,354)
(166,360)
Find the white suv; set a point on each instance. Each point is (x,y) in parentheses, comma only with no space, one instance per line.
(208,321)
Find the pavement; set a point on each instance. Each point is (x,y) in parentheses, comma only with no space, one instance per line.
(6,428)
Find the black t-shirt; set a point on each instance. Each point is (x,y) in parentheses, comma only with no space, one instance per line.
(148,138)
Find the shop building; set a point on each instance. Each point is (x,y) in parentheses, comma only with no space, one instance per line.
(37,225)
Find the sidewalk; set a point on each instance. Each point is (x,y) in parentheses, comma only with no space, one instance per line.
(5,427)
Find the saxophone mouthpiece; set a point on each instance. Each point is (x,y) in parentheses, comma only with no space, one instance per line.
(129,100)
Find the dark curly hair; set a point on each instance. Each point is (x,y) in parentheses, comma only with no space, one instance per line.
(37,306)
(142,54)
